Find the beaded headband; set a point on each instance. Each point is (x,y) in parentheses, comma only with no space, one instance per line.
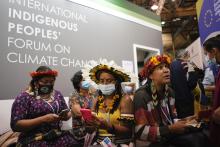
(91,71)
(44,73)
(152,62)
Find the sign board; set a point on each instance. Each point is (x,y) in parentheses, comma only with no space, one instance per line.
(65,36)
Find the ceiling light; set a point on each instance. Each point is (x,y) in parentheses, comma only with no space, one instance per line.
(154,7)
(176,19)
(163,22)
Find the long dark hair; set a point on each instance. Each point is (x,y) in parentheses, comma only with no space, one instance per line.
(118,91)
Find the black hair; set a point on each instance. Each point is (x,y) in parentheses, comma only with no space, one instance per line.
(76,80)
(37,78)
(217,36)
(200,73)
(211,43)
(117,77)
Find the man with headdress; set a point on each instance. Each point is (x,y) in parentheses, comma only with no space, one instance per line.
(154,107)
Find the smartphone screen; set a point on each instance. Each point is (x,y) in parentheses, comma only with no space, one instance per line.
(87,114)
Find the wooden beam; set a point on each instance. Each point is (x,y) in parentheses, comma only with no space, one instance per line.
(180,12)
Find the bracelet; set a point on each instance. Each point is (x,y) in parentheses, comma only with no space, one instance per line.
(111,129)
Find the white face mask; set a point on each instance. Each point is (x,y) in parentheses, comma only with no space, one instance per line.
(107,89)
(127,89)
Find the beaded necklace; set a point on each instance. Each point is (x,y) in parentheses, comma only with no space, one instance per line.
(154,94)
(155,102)
(103,105)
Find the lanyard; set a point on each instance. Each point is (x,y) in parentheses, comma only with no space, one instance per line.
(57,104)
(168,118)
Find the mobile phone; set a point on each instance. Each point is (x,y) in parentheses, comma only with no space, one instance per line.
(106,142)
(64,112)
(86,114)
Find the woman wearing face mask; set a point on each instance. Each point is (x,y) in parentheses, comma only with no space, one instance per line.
(111,105)
(80,98)
(35,112)
(211,70)
(81,91)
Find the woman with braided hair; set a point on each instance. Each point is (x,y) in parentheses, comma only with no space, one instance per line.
(154,110)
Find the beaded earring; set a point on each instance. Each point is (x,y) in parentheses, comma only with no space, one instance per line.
(154,93)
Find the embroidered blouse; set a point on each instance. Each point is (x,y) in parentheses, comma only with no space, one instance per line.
(27,106)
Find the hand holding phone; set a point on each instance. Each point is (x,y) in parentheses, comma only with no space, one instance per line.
(87,114)
(63,113)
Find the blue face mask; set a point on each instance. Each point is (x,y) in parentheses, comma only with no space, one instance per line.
(107,89)
(85,85)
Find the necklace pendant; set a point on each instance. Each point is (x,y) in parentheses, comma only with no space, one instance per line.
(155,103)
(38,97)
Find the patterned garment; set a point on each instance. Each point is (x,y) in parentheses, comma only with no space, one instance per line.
(78,124)
(152,121)
(85,102)
(26,106)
